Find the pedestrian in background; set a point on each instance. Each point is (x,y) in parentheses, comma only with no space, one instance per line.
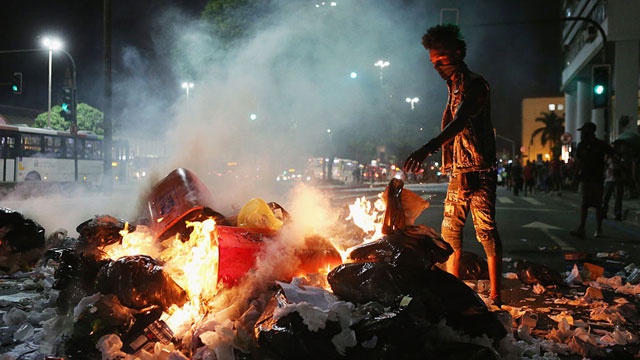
(590,167)
(517,176)
(529,175)
(555,174)
(613,183)
(468,145)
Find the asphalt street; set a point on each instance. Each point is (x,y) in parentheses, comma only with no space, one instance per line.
(535,227)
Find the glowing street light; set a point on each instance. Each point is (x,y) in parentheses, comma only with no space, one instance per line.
(381,64)
(51,44)
(187,86)
(412,101)
(324,3)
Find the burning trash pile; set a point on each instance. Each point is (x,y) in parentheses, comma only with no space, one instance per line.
(186,282)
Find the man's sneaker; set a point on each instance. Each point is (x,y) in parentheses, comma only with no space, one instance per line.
(578,233)
(598,234)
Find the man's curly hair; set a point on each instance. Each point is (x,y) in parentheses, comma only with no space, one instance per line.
(445,37)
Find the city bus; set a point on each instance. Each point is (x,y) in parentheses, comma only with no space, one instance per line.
(35,154)
(341,169)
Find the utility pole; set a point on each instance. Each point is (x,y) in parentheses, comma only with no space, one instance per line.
(107,145)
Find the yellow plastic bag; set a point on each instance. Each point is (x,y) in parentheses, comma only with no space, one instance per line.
(256,213)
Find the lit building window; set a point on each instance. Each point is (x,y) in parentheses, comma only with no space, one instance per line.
(552,107)
(560,106)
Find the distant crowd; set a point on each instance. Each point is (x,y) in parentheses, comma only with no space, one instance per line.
(555,175)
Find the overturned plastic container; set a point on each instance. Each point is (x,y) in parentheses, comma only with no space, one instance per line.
(238,250)
(178,197)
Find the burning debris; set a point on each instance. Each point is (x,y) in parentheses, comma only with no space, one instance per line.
(186,282)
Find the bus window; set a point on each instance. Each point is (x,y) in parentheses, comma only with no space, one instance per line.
(92,149)
(8,145)
(53,146)
(31,144)
(68,148)
(97,150)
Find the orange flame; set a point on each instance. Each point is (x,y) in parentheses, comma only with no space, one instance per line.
(367,217)
(192,264)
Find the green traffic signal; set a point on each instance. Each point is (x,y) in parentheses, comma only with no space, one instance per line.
(16,83)
(67,103)
(598,89)
(600,77)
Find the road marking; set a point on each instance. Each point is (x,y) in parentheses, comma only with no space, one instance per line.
(532,201)
(505,200)
(545,228)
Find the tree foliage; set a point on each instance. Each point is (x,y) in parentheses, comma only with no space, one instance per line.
(89,119)
(550,132)
(234,20)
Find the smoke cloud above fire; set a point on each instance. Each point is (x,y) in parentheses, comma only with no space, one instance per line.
(294,76)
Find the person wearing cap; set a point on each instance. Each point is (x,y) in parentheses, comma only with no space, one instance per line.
(468,147)
(590,167)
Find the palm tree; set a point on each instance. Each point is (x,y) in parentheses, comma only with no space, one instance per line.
(550,132)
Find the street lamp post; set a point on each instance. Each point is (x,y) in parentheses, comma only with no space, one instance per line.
(187,86)
(51,44)
(54,44)
(381,64)
(412,101)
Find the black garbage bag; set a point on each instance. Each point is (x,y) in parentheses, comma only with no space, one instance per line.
(441,294)
(100,231)
(462,308)
(360,283)
(22,241)
(289,338)
(413,248)
(397,332)
(139,281)
(75,276)
(531,273)
(473,267)
(461,350)
(99,316)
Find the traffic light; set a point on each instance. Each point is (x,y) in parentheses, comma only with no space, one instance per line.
(67,103)
(16,83)
(600,75)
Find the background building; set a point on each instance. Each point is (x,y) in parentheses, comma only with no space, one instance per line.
(533,108)
(585,48)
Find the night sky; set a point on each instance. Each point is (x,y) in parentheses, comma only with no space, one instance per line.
(522,60)
(79,25)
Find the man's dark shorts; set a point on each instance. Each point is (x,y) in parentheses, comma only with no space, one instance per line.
(592,193)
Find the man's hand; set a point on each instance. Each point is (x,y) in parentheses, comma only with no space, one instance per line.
(414,161)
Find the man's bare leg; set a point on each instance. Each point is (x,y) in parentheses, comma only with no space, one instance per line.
(453,263)
(494,264)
